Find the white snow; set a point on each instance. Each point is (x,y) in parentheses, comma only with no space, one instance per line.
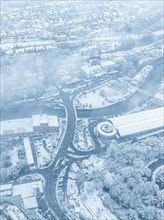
(14,157)
(103,96)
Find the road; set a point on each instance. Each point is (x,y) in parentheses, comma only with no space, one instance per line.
(56,167)
(51,174)
(153,166)
(151,84)
(62,159)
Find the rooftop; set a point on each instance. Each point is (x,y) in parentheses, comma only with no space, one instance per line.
(25,125)
(26,189)
(107,63)
(30,202)
(15,126)
(28,150)
(5,187)
(106,129)
(53,121)
(139,122)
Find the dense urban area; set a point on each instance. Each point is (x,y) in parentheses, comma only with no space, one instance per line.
(82,110)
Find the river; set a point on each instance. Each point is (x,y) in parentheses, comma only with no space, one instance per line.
(151,85)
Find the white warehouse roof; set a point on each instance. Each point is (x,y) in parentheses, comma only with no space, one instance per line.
(36,120)
(26,189)
(26,125)
(53,121)
(30,202)
(107,63)
(139,122)
(16,126)
(28,151)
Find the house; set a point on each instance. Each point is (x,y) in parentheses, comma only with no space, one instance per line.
(107,65)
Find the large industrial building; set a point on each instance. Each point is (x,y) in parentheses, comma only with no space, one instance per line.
(134,124)
(29,192)
(38,123)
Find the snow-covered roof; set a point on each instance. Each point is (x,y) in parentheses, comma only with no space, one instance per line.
(44,119)
(25,125)
(30,202)
(119,59)
(12,214)
(53,121)
(26,189)
(87,163)
(28,150)
(107,63)
(5,187)
(87,69)
(16,126)
(36,120)
(139,122)
(137,77)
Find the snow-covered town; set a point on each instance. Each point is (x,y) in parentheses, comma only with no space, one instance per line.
(82,110)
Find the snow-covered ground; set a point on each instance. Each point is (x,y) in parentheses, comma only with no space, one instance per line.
(82,140)
(95,206)
(14,157)
(102,96)
(85,201)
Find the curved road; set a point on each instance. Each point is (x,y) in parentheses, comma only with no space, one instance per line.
(151,84)
(60,161)
(52,172)
(153,166)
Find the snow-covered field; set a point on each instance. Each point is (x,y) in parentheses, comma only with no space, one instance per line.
(103,96)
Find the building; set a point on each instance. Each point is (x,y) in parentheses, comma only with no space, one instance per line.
(137,79)
(137,123)
(30,202)
(27,191)
(28,151)
(87,70)
(40,123)
(108,65)
(16,126)
(158,99)
(26,126)
(91,71)
(132,124)
(106,130)
(43,123)
(6,190)
(119,60)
